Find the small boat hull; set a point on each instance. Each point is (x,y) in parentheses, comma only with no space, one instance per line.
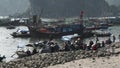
(21,54)
(10,27)
(20,35)
(102,33)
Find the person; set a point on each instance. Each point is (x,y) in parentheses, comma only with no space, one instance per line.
(84,46)
(52,47)
(108,41)
(91,43)
(96,38)
(66,48)
(114,38)
(94,47)
(69,43)
(78,41)
(28,52)
(72,47)
(34,51)
(103,44)
(119,37)
(51,41)
(89,46)
(56,47)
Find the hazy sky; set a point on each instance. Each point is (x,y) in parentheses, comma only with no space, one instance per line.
(12,6)
(114,2)
(8,7)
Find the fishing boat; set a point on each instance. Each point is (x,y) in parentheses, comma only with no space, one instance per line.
(101,33)
(21,54)
(105,24)
(21,33)
(97,27)
(57,31)
(54,31)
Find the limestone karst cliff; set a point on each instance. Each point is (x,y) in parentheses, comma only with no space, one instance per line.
(69,8)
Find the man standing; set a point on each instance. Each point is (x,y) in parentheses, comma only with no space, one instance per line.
(119,37)
(96,39)
(114,38)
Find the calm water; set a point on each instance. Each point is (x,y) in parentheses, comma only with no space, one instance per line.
(8,44)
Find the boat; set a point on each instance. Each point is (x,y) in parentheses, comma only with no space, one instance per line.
(69,37)
(55,31)
(101,33)
(10,27)
(105,24)
(21,33)
(97,27)
(2,58)
(21,54)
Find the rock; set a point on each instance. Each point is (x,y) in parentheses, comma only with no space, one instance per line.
(49,59)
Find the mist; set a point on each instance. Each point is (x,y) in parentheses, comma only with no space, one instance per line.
(9,7)
(114,2)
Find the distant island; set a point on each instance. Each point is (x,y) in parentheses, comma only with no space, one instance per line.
(71,8)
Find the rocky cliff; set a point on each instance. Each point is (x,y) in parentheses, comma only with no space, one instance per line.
(69,8)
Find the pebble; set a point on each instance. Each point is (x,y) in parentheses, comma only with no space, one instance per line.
(50,59)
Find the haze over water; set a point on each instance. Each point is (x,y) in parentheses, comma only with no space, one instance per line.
(8,44)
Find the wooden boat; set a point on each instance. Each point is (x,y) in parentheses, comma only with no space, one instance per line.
(21,54)
(99,26)
(10,27)
(96,27)
(37,29)
(105,24)
(57,31)
(101,33)
(21,33)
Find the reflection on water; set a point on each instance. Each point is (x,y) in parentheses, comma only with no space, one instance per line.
(8,44)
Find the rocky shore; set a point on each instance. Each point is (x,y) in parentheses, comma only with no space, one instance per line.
(51,59)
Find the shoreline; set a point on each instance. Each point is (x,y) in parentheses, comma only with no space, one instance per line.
(61,58)
(102,62)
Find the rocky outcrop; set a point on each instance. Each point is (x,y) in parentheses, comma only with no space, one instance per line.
(69,8)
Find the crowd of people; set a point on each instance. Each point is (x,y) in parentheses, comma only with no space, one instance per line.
(77,44)
(52,46)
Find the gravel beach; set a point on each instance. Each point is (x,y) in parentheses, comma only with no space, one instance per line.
(70,59)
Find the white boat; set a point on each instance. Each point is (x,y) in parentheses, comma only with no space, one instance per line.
(21,33)
(69,37)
